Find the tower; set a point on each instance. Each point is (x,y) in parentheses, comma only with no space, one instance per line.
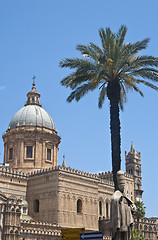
(133,167)
(31,140)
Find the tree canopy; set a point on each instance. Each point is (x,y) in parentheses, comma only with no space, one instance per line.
(115,68)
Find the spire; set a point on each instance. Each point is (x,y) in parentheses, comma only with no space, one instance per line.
(132,148)
(33,96)
(64,163)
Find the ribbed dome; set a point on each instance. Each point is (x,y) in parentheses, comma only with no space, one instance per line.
(32,115)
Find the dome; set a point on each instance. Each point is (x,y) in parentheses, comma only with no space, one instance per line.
(32,115)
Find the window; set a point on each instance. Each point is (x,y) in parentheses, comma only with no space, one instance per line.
(10,153)
(33,99)
(130,171)
(48,154)
(137,172)
(24,209)
(137,186)
(79,206)
(107,209)
(28,99)
(36,99)
(29,150)
(36,206)
(100,208)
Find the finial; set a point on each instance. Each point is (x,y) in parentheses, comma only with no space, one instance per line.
(132,147)
(64,163)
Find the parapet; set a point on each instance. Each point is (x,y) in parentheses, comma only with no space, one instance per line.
(9,172)
(32,227)
(73,171)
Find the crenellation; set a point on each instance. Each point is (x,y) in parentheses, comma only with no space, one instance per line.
(4,171)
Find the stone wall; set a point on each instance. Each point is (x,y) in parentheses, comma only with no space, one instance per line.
(39,230)
(12,182)
(69,197)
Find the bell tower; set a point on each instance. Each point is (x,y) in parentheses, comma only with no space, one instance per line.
(133,167)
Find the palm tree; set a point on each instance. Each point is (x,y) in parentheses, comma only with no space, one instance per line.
(114,68)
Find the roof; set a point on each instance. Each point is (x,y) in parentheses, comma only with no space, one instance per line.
(32,115)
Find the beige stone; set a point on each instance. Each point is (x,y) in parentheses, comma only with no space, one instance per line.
(58,196)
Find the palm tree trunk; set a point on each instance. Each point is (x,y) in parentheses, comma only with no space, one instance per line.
(115,138)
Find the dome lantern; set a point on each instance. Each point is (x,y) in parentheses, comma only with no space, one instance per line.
(33,96)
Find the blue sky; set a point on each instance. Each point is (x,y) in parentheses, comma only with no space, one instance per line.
(35,36)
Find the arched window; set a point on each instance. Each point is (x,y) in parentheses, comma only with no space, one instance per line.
(79,206)
(131,171)
(100,208)
(145,228)
(36,205)
(107,210)
(137,172)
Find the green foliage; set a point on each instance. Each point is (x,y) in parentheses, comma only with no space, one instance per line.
(140,212)
(114,61)
(137,235)
(115,68)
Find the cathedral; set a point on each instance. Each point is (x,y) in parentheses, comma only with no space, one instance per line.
(39,198)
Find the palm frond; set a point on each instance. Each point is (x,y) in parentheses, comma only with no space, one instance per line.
(102,95)
(120,36)
(103,40)
(73,80)
(130,83)
(140,45)
(123,96)
(76,63)
(88,51)
(149,73)
(147,84)
(145,61)
(79,92)
(96,48)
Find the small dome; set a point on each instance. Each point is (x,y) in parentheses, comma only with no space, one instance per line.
(24,202)
(32,115)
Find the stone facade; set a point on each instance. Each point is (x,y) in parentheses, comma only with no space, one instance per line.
(73,198)
(38,198)
(10,217)
(148,228)
(40,139)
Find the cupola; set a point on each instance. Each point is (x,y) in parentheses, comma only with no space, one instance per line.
(31,140)
(33,97)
